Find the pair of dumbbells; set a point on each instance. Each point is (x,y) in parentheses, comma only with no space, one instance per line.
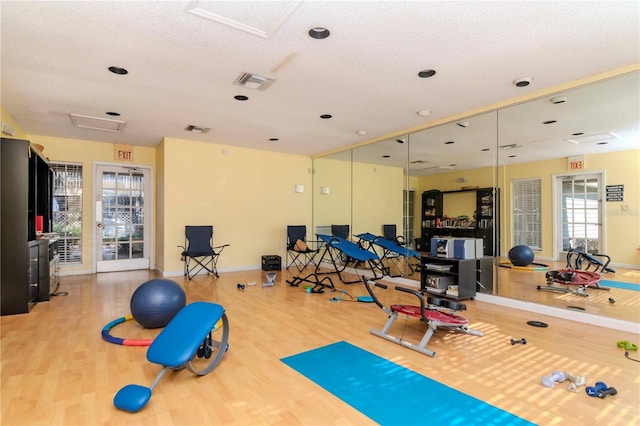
(559,376)
(600,390)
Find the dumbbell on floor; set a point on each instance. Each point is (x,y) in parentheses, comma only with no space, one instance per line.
(602,394)
(522,341)
(593,390)
(576,381)
(550,381)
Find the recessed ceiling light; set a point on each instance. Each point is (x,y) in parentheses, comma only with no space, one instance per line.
(512,156)
(274,139)
(319,33)
(558,99)
(485,149)
(577,134)
(114,114)
(522,81)
(118,70)
(549,121)
(424,113)
(362,132)
(400,140)
(463,124)
(449,142)
(326,116)
(602,143)
(452,165)
(386,156)
(241,98)
(426,73)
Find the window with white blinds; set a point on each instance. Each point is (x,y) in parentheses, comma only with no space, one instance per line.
(526,212)
(67,211)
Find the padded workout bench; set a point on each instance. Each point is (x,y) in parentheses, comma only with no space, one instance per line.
(188,336)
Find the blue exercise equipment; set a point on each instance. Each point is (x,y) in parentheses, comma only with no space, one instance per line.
(343,254)
(155,302)
(391,251)
(188,341)
(521,255)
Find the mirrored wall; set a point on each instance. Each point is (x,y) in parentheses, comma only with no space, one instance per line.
(591,130)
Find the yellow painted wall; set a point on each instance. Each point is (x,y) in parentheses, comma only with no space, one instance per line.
(333,208)
(8,118)
(86,153)
(247,195)
(377,197)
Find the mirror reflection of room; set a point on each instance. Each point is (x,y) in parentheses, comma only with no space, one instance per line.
(515,152)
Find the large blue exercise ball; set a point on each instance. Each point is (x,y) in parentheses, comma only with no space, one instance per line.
(156,302)
(521,256)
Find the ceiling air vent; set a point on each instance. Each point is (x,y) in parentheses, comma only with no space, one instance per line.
(436,168)
(599,137)
(96,123)
(253,81)
(197,129)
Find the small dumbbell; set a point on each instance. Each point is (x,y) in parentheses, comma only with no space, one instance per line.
(240,286)
(602,394)
(576,381)
(593,390)
(522,341)
(550,381)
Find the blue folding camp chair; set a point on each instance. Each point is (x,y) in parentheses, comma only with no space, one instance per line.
(299,252)
(198,253)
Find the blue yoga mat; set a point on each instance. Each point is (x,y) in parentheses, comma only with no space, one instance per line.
(618,284)
(391,394)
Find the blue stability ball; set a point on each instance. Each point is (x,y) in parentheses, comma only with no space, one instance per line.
(521,255)
(156,302)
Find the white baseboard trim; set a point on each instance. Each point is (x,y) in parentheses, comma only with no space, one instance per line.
(551,311)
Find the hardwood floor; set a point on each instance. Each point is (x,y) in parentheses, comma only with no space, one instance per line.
(56,369)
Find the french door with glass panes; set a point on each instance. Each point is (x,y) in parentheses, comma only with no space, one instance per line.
(122,218)
(580,213)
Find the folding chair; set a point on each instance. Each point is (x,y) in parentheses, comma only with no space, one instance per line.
(198,253)
(389,233)
(298,251)
(341,231)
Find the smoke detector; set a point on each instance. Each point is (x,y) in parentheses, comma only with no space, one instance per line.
(253,81)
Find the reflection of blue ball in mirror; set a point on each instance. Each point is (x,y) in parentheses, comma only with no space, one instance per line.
(156,302)
(521,255)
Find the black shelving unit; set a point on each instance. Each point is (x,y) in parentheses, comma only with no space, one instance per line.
(26,180)
(481,226)
(462,272)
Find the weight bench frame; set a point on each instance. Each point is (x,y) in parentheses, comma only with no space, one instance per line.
(189,335)
(437,313)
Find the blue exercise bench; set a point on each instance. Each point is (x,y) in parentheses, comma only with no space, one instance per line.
(391,251)
(187,337)
(352,253)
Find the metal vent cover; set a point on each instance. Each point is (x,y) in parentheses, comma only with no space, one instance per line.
(96,123)
(197,129)
(253,81)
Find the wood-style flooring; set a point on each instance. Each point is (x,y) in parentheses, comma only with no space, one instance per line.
(57,370)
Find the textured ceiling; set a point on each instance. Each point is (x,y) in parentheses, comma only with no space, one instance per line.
(182,66)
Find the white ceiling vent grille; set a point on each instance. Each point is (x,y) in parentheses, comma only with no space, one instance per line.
(436,168)
(599,137)
(253,81)
(96,123)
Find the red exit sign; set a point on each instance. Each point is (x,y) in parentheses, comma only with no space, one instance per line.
(124,152)
(576,163)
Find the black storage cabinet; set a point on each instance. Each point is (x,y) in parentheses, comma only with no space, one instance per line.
(25,182)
